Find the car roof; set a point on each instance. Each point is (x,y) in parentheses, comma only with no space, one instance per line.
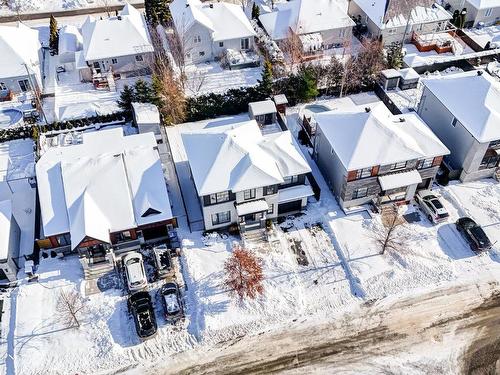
(139,295)
(135,271)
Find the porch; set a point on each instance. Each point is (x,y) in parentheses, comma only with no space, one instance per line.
(252,215)
(398,188)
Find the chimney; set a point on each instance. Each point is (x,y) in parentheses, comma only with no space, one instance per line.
(211,6)
(479,72)
(367,109)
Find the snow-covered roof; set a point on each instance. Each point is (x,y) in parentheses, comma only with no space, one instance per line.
(385,18)
(225,21)
(20,48)
(5,222)
(107,183)
(17,160)
(123,35)
(146,113)
(473,99)
(240,158)
(259,205)
(280,99)
(484,4)
(304,17)
(365,139)
(262,107)
(293,193)
(399,179)
(70,39)
(409,74)
(390,73)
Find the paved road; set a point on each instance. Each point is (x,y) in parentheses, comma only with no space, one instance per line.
(467,315)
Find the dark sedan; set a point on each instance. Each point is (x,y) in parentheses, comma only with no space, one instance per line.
(141,308)
(473,234)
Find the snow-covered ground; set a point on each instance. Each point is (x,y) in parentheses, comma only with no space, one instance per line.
(484,35)
(12,7)
(415,58)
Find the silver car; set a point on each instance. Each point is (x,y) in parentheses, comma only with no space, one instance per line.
(432,206)
(134,269)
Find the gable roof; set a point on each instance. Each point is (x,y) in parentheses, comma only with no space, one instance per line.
(225,21)
(20,48)
(103,185)
(124,35)
(393,13)
(473,99)
(240,158)
(304,17)
(365,139)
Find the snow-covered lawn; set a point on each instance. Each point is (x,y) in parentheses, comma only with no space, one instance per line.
(415,58)
(484,35)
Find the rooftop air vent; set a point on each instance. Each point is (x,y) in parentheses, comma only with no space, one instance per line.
(367,109)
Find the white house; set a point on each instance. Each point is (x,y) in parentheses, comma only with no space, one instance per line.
(120,44)
(10,236)
(103,196)
(244,177)
(207,30)
(373,156)
(389,21)
(320,24)
(479,12)
(464,111)
(20,56)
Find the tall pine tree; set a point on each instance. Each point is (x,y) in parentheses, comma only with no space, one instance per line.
(127,97)
(255,11)
(54,35)
(266,82)
(143,92)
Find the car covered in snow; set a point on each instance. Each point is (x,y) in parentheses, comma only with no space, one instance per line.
(473,234)
(171,299)
(134,270)
(163,261)
(432,206)
(141,308)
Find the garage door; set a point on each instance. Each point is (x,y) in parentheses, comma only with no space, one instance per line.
(293,206)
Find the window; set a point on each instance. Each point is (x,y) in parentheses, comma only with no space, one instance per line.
(290,180)
(249,194)
(96,64)
(221,218)
(245,43)
(221,44)
(202,53)
(342,33)
(271,209)
(391,31)
(454,121)
(425,163)
(270,190)
(489,161)
(219,197)
(360,193)
(139,58)
(114,61)
(24,85)
(493,144)
(363,173)
(197,39)
(488,12)
(64,239)
(399,165)
(3,86)
(123,236)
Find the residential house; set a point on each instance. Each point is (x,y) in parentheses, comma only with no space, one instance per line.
(397,20)
(119,44)
(206,31)
(319,24)
(373,156)
(464,112)
(103,196)
(10,235)
(479,12)
(244,177)
(20,67)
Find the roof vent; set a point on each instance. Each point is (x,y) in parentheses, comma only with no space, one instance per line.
(401,119)
(211,6)
(479,72)
(119,18)
(367,109)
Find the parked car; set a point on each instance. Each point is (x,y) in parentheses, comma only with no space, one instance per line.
(134,270)
(171,299)
(141,308)
(163,261)
(432,207)
(473,234)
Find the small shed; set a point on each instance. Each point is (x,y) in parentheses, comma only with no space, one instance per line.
(147,118)
(10,236)
(409,79)
(264,112)
(281,103)
(389,79)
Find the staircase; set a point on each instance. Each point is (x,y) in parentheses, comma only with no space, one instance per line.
(254,237)
(93,272)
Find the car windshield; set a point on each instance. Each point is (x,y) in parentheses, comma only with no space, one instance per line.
(429,197)
(436,203)
(171,303)
(145,320)
(480,236)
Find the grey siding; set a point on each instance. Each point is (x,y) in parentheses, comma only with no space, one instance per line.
(125,64)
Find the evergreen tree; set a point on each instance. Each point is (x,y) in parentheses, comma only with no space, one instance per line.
(54,35)
(307,85)
(158,11)
(143,93)
(266,82)
(395,55)
(127,97)
(255,11)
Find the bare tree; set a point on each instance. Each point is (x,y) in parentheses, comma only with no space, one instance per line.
(106,4)
(181,43)
(70,306)
(16,6)
(389,237)
(292,48)
(244,274)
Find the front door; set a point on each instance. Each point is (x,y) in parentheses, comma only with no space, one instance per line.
(97,254)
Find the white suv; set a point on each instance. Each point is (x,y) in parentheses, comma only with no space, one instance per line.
(431,206)
(134,269)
